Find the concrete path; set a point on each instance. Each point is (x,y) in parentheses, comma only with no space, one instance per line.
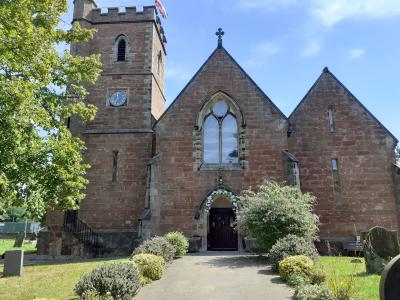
(217,276)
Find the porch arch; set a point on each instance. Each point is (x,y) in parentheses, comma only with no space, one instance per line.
(207,202)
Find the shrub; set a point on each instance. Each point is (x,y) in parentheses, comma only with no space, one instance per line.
(150,266)
(120,280)
(295,265)
(179,241)
(313,292)
(158,246)
(316,276)
(295,280)
(93,295)
(291,245)
(276,211)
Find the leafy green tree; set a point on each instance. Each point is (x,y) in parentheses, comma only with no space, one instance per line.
(275,211)
(14,214)
(41,163)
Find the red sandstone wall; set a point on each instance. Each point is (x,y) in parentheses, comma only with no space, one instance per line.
(364,150)
(128,130)
(179,186)
(116,205)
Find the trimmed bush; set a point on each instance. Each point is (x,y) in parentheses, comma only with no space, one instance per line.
(313,292)
(295,265)
(295,280)
(179,241)
(150,266)
(158,246)
(275,211)
(120,280)
(93,295)
(291,245)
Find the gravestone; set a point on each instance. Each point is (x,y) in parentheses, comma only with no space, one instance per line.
(389,288)
(380,246)
(13,263)
(19,240)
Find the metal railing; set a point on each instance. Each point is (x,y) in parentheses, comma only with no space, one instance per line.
(81,231)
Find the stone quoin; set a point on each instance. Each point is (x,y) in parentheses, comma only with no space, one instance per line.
(153,168)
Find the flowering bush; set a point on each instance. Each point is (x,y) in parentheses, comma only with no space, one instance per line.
(151,267)
(158,246)
(291,245)
(179,241)
(295,265)
(116,280)
(275,211)
(313,292)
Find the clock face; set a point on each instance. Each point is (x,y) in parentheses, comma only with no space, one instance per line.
(118,98)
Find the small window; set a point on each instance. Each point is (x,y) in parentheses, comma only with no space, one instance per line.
(121,56)
(114,166)
(335,174)
(331,121)
(159,62)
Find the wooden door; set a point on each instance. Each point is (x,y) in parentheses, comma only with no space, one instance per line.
(222,235)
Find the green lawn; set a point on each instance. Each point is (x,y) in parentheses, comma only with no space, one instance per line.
(50,281)
(57,280)
(7,244)
(366,285)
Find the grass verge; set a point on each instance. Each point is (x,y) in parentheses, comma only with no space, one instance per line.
(367,286)
(49,281)
(7,244)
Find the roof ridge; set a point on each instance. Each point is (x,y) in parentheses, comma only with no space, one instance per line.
(327,71)
(221,48)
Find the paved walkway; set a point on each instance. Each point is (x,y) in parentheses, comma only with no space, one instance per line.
(217,276)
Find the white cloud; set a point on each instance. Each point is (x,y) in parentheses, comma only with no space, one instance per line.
(265,4)
(330,12)
(177,72)
(357,53)
(313,46)
(334,11)
(261,52)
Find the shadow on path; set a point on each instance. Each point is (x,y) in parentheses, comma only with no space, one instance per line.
(235,261)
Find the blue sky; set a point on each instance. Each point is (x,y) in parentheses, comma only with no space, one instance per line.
(285,44)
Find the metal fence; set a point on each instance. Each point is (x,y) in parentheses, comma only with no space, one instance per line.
(17,227)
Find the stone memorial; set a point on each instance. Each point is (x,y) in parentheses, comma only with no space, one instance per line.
(13,263)
(389,288)
(380,246)
(19,240)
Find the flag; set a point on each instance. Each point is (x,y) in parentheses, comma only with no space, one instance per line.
(162,9)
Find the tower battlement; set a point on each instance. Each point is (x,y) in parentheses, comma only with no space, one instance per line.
(133,13)
(87,10)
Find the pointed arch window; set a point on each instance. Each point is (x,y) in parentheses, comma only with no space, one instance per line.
(121,54)
(220,145)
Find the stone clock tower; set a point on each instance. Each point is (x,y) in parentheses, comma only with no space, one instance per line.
(129,96)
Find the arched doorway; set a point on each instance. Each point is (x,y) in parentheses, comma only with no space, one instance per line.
(221,222)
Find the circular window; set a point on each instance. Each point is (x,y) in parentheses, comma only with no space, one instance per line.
(220,108)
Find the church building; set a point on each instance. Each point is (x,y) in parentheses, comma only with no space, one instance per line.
(156,169)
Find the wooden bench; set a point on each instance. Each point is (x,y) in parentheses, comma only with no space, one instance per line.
(352,246)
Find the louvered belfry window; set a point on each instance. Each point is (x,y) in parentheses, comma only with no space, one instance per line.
(121,56)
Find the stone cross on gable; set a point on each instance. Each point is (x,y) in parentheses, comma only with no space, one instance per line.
(220,34)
